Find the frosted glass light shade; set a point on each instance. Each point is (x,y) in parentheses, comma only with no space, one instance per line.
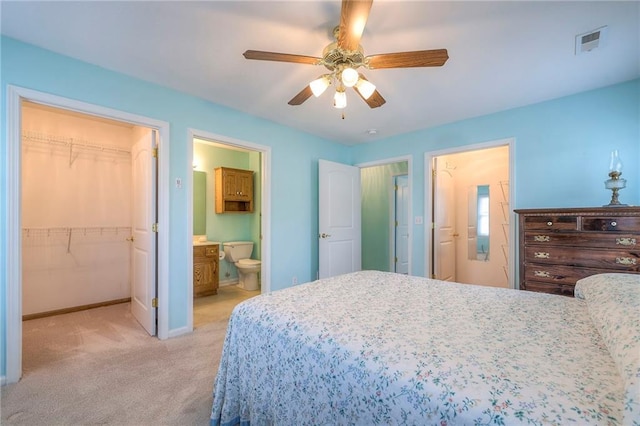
(349,77)
(340,99)
(365,88)
(319,85)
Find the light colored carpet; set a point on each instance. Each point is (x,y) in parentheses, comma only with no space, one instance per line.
(101,367)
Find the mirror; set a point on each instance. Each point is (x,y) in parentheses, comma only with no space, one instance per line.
(199,203)
(478,227)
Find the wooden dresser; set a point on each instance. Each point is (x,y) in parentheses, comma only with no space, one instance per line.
(560,246)
(205,269)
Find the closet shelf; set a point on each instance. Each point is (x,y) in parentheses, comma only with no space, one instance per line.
(102,230)
(68,232)
(73,143)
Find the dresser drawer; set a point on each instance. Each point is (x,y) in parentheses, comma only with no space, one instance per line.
(583,239)
(611,224)
(563,290)
(558,274)
(551,223)
(622,260)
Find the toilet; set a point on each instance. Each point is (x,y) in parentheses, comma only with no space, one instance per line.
(239,252)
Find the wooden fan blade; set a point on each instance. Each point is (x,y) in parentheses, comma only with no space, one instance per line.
(375,100)
(281,57)
(302,96)
(353,18)
(418,58)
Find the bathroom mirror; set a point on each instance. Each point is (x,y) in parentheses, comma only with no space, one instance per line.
(199,203)
(478,227)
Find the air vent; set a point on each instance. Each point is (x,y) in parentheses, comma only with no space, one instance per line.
(592,40)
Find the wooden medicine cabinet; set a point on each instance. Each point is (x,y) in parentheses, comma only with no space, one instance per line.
(234,190)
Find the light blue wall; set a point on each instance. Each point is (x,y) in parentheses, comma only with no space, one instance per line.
(561,156)
(294,164)
(562,150)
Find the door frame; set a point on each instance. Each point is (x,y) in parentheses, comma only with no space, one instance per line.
(265,208)
(393,229)
(15,96)
(409,160)
(428,199)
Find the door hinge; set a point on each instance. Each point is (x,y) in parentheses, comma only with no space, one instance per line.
(395,259)
(154,227)
(395,187)
(154,302)
(155,152)
(396,223)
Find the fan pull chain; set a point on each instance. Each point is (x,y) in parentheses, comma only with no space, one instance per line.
(343,115)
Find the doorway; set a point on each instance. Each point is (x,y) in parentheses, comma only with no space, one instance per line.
(207,153)
(71,232)
(472,224)
(385,215)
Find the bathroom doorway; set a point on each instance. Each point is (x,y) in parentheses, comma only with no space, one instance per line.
(212,226)
(471,238)
(64,159)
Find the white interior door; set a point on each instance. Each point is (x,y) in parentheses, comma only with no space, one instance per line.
(444,242)
(144,216)
(339,219)
(401,240)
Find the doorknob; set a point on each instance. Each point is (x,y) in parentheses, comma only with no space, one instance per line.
(323,235)
(455,234)
(130,238)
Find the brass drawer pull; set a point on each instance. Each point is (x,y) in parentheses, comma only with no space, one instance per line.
(543,274)
(541,238)
(626,241)
(549,223)
(627,261)
(541,255)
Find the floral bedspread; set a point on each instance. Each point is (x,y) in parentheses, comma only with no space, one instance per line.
(374,348)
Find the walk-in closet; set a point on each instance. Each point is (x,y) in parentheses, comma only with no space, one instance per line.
(76,210)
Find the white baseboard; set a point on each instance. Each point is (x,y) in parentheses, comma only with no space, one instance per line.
(178,332)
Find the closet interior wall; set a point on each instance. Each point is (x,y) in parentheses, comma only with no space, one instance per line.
(76,209)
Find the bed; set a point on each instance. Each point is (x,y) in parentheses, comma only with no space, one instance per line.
(372,348)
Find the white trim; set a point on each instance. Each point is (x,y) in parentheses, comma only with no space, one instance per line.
(15,95)
(428,168)
(180,331)
(265,208)
(409,160)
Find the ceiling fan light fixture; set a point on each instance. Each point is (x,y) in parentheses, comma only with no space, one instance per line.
(349,77)
(365,88)
(340,99)
(319,85)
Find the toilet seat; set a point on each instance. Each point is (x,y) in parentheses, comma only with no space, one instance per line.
(249,262)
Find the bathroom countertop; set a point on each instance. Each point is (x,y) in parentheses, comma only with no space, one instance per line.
(205,243)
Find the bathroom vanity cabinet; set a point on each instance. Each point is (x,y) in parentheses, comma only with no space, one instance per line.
(234,190)
(205,269)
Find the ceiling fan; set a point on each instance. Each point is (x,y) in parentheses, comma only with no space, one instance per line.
(344,56)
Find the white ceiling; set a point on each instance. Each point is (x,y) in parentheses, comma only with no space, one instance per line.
(502,54)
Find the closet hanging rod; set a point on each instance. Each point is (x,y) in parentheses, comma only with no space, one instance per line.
(80,143)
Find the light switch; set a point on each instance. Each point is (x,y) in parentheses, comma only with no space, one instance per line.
(178,182)
(418,220)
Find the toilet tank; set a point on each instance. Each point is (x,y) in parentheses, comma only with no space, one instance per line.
(236,250)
